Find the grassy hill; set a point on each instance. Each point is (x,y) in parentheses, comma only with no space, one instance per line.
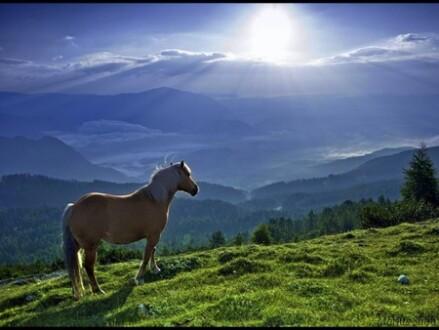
(348,279)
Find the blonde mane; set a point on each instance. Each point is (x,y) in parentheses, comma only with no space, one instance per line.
(159,190)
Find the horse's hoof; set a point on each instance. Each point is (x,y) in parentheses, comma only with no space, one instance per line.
(138,281)
(156,270)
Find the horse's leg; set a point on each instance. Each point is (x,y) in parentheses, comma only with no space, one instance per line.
(152,265)
(77,286)
(149,249)
(90,259)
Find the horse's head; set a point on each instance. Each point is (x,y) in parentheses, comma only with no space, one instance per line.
(186,182)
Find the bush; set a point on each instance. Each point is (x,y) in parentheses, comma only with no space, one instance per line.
(108,255)
(411,211)
(375,215)
(262,235)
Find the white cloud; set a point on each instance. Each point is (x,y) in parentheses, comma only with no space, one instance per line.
(111,126)
(70,40)
(409,46)
(409,56)
(105,62)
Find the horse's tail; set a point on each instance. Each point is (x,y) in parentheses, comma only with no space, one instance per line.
(72,259)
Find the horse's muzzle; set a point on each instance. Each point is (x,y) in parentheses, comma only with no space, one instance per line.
(194,191)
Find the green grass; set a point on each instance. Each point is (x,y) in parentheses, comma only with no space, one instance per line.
(348,279)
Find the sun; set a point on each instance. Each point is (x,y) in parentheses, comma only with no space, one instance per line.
(270,34)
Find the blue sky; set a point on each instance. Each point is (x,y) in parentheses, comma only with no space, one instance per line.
(210,48)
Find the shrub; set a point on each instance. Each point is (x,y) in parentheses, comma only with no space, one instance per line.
(411,211)
(262,235)
(375,215)
(108,254)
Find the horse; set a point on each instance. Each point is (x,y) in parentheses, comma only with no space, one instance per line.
(121,219)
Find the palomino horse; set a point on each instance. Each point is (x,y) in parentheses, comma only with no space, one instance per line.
(121,219)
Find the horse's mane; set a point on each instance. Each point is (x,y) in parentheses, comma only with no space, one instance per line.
(147,189)
(156,170)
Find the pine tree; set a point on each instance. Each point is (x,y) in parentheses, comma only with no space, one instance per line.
(420,182)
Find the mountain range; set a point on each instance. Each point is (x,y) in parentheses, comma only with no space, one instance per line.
(390,167)
(243,143)
(164,109)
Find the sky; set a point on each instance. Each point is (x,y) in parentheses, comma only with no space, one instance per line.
(222,50)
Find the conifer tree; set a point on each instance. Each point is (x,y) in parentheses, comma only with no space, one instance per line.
(420,182)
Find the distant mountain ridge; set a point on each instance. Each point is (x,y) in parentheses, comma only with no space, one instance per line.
(374,170)
(50,156)
(346,164)
(25,190)
(237,142)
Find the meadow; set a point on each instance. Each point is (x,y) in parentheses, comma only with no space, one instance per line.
(348,279)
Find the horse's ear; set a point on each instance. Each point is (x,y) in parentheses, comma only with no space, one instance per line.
(182,163)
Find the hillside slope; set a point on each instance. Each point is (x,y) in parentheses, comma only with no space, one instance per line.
(348,279)
(52,157)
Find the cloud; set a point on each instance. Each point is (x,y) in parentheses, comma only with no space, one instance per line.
(403,47)
(109,132)
(412,57)
(70,40)
(412,37)
(171,61)
(13,61)
(204,57)
(90,67)
(417,39)
(111,126)
(12,68)
(105,62)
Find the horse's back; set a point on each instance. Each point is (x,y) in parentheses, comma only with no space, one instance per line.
(115,218)
(88,216)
